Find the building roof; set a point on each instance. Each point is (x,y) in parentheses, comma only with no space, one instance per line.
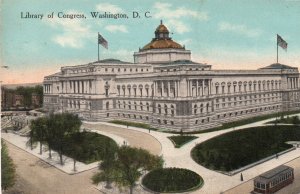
(278,66)
(185,62)
(162,44)
(115,61)
(269,175)
(162,40)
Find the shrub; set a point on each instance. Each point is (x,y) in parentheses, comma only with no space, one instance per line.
(170,180)
(8,172)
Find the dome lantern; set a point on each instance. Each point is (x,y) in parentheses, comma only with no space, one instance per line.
(161,31)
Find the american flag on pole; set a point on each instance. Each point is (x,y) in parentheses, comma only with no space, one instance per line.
(102,41)
(282,43)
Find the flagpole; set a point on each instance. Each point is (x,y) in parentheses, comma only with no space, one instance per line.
(277,47)
(98,45)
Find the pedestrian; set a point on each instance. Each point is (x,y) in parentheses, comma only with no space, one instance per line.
(242,178)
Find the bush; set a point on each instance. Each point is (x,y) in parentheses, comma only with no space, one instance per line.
(236,149)
(170,180)
(180,140)
(8,172)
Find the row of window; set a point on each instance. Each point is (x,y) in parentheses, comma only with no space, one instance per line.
(246,86)
(248,97)
(281,179)
(159,121)
(246,111)
(106,69)
(134,91)
(240,103)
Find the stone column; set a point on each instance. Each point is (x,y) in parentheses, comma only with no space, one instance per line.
(197,87)
(175,88)
(162,89)
(169,89)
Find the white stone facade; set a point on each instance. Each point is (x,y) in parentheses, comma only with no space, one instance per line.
(168,91)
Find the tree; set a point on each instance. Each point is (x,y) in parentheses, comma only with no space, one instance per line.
(107,166)
(8,172)
(75,150)
(38,131)
(130,164)
(63,125)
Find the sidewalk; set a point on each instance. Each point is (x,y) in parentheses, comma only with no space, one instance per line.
(68,167)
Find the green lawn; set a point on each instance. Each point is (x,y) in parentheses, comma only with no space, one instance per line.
(90,146)
(172,180)
(180,140)
(239,148)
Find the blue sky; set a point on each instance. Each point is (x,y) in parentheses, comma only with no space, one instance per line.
(232,34)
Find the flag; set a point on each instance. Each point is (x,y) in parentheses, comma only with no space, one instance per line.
(102,41)
(282,43)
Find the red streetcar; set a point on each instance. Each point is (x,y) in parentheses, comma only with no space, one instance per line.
(273,180)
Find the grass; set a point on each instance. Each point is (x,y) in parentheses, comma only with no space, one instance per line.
(133,124)
(236,149)
(237,123)
(180,140)
(172,180)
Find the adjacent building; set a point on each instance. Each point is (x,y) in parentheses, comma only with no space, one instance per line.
(165,89)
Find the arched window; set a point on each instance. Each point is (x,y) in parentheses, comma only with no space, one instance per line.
(141,104)
(207,107)
(195,109)
(147,104)
(166,109)
(135,107)
(172,110)
(159,109)
(107,105)
(129,105)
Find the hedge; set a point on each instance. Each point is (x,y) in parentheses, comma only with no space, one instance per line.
(171,180)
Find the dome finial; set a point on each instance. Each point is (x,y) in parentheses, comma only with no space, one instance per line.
(161,22)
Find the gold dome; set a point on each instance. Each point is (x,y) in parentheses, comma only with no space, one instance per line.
(162,40)
(161,44)
(161,29)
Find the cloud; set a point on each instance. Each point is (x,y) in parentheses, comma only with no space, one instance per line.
(122,54)
(239,29)
(107,7)
(177,25)
(116,28)
(74,31)
(173,16)
(165,10)
(185,41)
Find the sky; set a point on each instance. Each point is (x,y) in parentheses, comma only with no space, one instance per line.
(227,34)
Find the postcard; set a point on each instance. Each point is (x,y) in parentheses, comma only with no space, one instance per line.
(148,96)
